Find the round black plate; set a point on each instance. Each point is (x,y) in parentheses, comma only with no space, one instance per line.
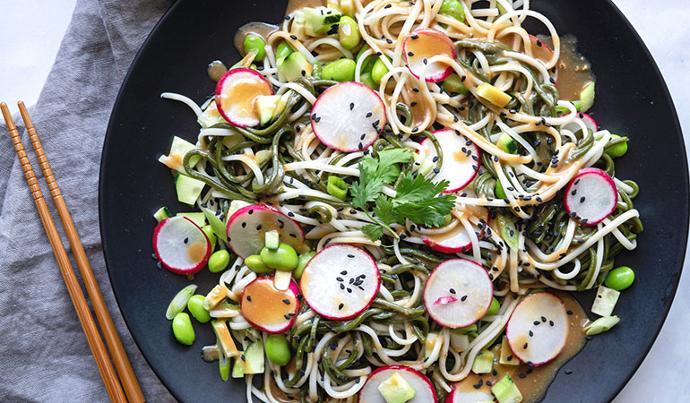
(631,99)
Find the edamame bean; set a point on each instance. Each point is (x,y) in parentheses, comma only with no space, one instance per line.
(255,43)
(302,263)
(195,305)
(208,230)
(494,307)
(455,85)
(340,70)
(348,32)
(367,63)
(378,70)
(365,78)
(284,258)
(219,261)
(619,148)
(620,278)
(277,349)
(182,329)
(453,8)
(498,190)
(256,265)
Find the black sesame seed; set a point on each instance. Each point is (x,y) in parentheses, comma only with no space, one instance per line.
(344,272)
(250,212)
(543,319)
(425,61)
(536,323)
(340,306)
(360,146)
(186,240)
(531,333)
(569,312)
(349,290)
(410,54)
(286,301)
(551,323)
(352,105)
(249,298)
(293,37)
(452,291)
(463,298)
(582,199)
(339,279)
(369,114)
(509,358)
(342,286)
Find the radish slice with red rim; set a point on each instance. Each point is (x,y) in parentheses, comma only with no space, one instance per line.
(538,328)
(424,389)
(247,227)
(180,245)
(591,196)
(422,45)
(236,92)
(460,158)
(458,293)
(348,117)
(340,282)
(268,308)
(454,241)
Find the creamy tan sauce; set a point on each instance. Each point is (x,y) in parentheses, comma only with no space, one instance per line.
(534,382)
(574,71)
(261,29)
(264,304)
(196,251)
(216,69)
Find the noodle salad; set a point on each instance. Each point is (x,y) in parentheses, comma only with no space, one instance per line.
(398,198)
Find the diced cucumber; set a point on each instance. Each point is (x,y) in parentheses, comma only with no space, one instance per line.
(507,144)
(601,325)
(217,225)
(254,359)
(210,117)
(188,189)
(396,389)
(175,157)
(586,98)
(506,391)
(197,218)
(483,362)
(459,342)
(161,214)
(605,301)
(270,106)
(224,368)
(507,357)
(321,21)
(294,67)
(453,84)
(271,239)
(238,368)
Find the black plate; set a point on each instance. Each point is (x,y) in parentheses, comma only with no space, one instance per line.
(631,99)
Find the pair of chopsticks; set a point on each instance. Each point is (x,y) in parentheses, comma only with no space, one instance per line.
(120,382)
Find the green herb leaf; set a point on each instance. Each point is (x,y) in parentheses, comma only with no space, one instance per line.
(418,199)
(373,231)
(384,210)
(375,172)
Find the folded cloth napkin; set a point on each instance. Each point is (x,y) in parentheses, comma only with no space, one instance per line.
(43,353)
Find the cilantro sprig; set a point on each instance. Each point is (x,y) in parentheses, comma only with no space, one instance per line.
(417,199)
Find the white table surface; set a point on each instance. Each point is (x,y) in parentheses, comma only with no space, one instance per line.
(36,28)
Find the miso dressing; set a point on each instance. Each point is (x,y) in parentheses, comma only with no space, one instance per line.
(574,71)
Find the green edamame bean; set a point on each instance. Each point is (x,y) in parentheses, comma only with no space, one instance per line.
(367,63)
(195,305)
(256,44)
(283,50)
(494,307)
(620,278)
(256,265)
(619,149)
(182,329)
(284,258)
(453,8)
(208,230)
(348,32)
(340,70)
(498,190)
(277,349)
(365,78)
(302,263)
(219,261)
(378,70)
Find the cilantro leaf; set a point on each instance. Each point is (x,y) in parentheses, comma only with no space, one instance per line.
(384,210)
(416,188)
(375,172)
(373,231)
(420,200)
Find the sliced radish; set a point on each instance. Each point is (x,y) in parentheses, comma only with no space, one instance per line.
(460,158)
(348,117)
(248,225)
(423,44)
(469,286)
(236,92)
(538,328)
(470,390)
(340,282)
(454,241)
(180,245)
(268,308)
(591,196)
(424,390)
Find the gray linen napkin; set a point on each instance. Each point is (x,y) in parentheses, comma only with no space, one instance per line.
(43,352)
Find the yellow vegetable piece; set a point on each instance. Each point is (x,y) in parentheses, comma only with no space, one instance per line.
(493,94)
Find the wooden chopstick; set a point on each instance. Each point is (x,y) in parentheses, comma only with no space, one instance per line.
(112,338)
(100,354)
